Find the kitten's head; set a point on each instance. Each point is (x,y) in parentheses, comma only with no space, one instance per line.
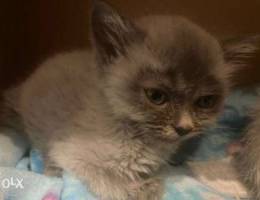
(165,74)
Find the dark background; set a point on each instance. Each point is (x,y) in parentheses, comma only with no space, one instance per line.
(32,30)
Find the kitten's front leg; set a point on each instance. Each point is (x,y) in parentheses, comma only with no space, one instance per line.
(107,186)
(103,186)
(151,189)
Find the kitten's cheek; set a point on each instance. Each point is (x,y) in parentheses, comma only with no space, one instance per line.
(170,133)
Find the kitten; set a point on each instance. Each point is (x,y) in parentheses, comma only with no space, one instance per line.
(247,158)
(113,115)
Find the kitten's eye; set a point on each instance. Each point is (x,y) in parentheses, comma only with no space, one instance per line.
(156,96)
(206,102)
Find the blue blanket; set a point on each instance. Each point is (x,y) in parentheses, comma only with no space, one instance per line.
(21,175)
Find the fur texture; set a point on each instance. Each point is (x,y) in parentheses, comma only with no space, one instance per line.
(248,158)
(90,112)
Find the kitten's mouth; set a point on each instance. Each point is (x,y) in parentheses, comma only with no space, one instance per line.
(172,136)
(191,135)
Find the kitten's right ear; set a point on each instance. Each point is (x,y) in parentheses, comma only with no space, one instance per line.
(111,32)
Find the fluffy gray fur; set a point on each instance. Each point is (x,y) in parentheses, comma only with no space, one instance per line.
(88,112)
(248,159)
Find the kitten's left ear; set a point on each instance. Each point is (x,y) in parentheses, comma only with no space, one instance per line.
(237,51)
(111,32)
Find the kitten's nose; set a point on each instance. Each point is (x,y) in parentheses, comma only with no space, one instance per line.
(182,131)
(184,125)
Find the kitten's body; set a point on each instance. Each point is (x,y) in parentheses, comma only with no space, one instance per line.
(87,113)
(78,133)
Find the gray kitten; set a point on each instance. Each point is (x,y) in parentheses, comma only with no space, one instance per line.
(115,114)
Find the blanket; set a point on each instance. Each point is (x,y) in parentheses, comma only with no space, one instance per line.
(207,175)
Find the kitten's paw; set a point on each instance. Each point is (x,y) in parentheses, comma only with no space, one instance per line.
(53,171)
(150,190)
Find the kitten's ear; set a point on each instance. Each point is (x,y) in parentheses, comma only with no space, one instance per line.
(111,32)
(237,51)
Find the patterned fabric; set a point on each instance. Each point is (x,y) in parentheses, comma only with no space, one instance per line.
(21,173)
